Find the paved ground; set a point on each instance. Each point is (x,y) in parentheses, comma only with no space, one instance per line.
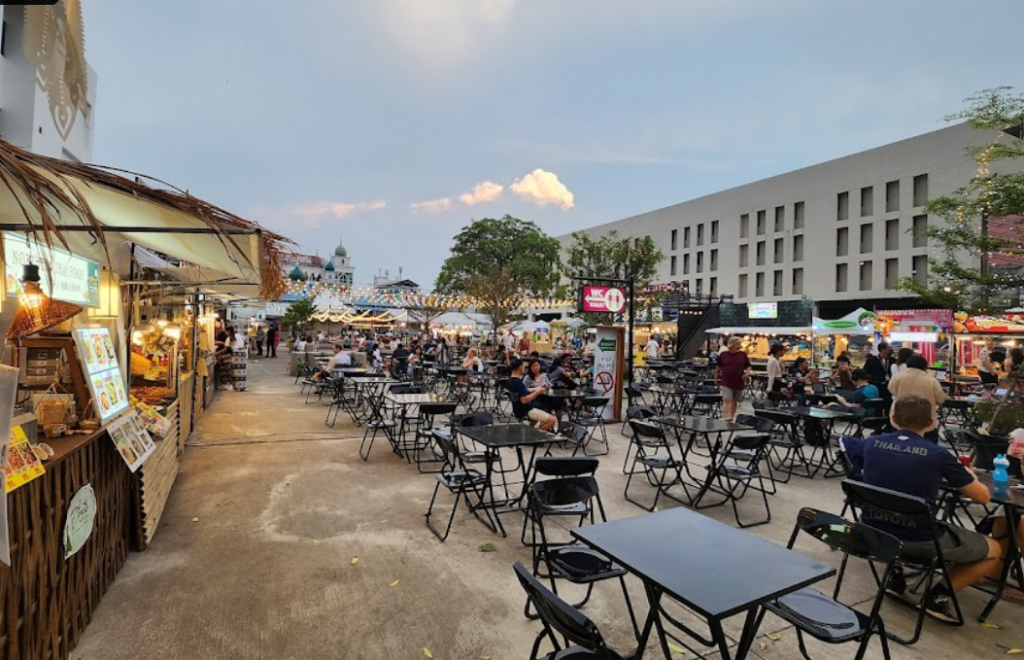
(254,557)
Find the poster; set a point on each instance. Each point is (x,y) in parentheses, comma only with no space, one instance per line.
(79,522)
(102,371)
(132,440)
(608,368)
(22,463)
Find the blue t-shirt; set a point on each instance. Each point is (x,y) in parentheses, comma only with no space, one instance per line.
(905,462)
(862,394)
(518,389)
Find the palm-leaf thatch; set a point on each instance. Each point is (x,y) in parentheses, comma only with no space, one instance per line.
(44,189)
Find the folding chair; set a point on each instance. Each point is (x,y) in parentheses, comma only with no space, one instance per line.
(653,453)
(639,413)
(581,638)
(787,449)
(738,469)
(822,616)
(461,481)
(873,503)
(592,417)
(423,440)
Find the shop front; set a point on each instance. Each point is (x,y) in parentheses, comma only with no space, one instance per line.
(853,334)
(995,335)
(927,331)
(761,325)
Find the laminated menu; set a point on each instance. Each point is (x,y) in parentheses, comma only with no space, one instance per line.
(102,371)
(22,463)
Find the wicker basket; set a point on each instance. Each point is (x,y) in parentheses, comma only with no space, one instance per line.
(56,407)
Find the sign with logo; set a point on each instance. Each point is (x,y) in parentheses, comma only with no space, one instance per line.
(78,526)
(74,279)
(603,299)
(763,310)
(608,368)
(859,322)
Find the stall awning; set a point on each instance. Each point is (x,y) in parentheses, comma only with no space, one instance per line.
(857,322)
(786,330)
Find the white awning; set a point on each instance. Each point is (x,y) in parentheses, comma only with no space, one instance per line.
(787,330)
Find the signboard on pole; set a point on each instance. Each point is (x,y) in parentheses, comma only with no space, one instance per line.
(603,299)
(608,369)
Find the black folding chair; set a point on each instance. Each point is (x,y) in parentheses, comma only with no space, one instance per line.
(787,449)
(424,437)
(653,452)
(639,413)
(461,481)
(822,616)
(592,418)
(871,503)
(571,633)
(738,469)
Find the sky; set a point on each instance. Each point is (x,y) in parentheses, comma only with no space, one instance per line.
(392,124)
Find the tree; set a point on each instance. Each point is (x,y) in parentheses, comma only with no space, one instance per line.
(976,263)
(499,263)
(427,311)
(298,314)
(612,257)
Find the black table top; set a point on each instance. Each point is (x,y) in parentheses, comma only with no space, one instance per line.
(371,380)
(566,394)
(1012,496)
(702,424)
(712,568)
(670,390)
(508,435)
(819,413)
(412,399)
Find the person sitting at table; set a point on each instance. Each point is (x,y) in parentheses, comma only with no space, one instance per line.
(340,359)
(400,361)
(300,345)
(906,462)
(523,398)
(863,390)
(774,372)
(802,376)
(843,375)
(916,381)
(473,362)
(563,374)
(534,355)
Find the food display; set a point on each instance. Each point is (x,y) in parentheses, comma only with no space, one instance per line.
(153,395)
(1008,324)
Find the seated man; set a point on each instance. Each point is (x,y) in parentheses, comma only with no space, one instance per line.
(300,344)
(340,359)
(523,398)
(865,391)
(906,462)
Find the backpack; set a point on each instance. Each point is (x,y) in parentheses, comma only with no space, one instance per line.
(814,433)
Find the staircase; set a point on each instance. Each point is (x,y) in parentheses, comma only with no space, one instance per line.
(694,315)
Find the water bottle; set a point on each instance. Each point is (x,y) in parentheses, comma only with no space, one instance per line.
(1000,477)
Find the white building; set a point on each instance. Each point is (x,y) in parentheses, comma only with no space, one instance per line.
(839,231)
(26,119)
(306,267)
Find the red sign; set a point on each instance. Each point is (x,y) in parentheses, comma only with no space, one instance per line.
(603,299)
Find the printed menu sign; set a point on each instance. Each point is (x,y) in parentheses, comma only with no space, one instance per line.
(99,360)
(132,439)
(22,463)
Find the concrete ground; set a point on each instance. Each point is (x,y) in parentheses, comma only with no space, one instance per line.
(254,557)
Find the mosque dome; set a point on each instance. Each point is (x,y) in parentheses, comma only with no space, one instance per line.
(329,266)
(340,251)
(296,274)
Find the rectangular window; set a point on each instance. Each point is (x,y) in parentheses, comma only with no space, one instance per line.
(842,277)
(672,266)
(843,206)
(700,235)
(892,273)
(686,264)
(865,275)
(759,286)
(760,253)
(714,231)
(798,215)
(920,190)
(780,218)
(842,242)
(3,39)
(700,262)
(798,247)
(713,286)
(777,283)
(798,281)
(920,266)
(892,196)
(920,231)
(892,234)
(780,250)
(867,239)
(745,225)
(714,260)
(700,287)
(675,235)
(686,237)
(744,256)
(743,286)
(867,201)
(762,221)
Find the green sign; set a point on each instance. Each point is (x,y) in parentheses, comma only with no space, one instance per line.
(74,279)
(78,526)
(606,344)
(838,325)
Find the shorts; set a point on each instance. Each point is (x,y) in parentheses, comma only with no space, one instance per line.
(729,394)
(538,415)
(959,545)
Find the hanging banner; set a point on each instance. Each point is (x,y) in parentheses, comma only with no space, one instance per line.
(79,522)
(608,369)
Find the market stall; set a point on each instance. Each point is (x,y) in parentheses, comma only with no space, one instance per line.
(853,334)
(998,334)
(927,331)
(757,341)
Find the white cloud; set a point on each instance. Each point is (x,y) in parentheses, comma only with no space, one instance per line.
(543,188)
(485,191)
(314,212)
(432,206)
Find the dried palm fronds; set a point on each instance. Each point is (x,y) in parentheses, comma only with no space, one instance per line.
(44,186)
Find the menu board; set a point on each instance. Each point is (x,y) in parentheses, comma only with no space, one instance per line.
(132,439)
(99,361)
(22,463)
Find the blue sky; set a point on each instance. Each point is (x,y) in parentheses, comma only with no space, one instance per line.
(394,123)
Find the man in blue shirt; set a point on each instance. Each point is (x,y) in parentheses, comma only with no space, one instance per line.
(865,391)
(523,398)
(906,462)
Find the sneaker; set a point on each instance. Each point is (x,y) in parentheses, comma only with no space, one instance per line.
(939,605)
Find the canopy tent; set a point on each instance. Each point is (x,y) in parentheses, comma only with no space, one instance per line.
(572,322)
(859,322)
(93,212)
(528,326)
(458,319)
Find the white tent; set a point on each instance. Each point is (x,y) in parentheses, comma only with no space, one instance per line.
(859,322)
(531,326)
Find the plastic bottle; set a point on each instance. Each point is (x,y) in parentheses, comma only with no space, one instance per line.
(1000,477)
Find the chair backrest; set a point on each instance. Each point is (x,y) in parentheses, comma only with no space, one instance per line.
(646,429)
(478,418)
(851,538)
(434,409)
(401,388)
(595,401)
(776,416)
(562,618)
(449,451)
(566,466)
(640,412)
(759,424)
(891,507)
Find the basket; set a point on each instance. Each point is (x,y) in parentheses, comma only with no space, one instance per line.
(56,407)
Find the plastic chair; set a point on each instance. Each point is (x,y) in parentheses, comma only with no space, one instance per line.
(653,453)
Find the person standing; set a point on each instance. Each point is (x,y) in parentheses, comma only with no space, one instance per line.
(731,374)
(916,381)
(774,372)
(239,361)
(876,365)
(273,336)
(261,336)
(653,348)
(508,341)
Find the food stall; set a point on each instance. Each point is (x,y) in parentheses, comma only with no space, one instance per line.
(973,333)
(927,331)
(853,334)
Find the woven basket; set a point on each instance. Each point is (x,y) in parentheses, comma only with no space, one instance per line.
(45,314)
(56,407)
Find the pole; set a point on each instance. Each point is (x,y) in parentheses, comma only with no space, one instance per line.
(629,343)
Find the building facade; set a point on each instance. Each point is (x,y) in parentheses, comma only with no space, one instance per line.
(846,230)
(312,268)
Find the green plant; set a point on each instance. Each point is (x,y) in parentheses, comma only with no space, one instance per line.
(1001,416)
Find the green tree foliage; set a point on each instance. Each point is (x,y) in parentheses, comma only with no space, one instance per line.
(298,314)
(975,255)
(614,257)
(499,263)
